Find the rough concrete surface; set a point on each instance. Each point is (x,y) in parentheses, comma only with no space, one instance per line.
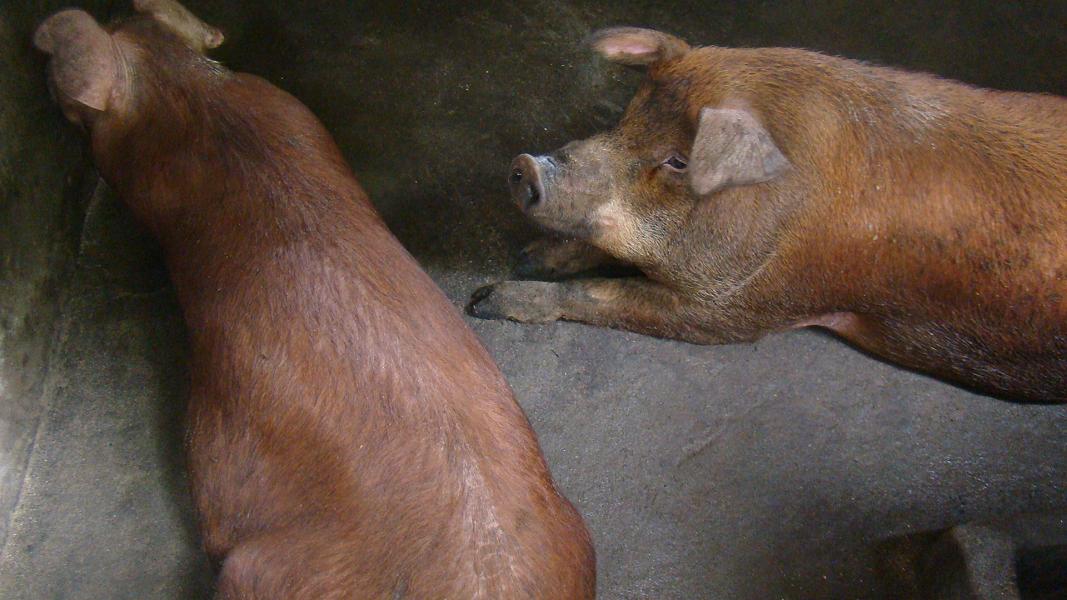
(770,470)
(43,177)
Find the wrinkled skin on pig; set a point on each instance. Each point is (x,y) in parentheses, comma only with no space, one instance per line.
(759,190)
(348,436)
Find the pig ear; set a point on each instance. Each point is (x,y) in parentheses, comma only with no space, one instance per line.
(636,47)
(731,148)
(197,34)
(84,65)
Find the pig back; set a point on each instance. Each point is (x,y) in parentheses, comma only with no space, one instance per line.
(337,395)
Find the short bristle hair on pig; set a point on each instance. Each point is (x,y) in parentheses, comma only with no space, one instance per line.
(759,190)
(348,436)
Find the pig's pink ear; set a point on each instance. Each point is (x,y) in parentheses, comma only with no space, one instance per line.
(84,65)
(732,148)
(169,13)
(636,47)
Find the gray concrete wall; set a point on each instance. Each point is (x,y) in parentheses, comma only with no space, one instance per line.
(775,469)
(43,177)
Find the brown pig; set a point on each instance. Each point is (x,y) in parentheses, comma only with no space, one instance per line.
(760,190)
(348,436)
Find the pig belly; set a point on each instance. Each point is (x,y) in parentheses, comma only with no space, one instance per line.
(841,323)
(1027,373)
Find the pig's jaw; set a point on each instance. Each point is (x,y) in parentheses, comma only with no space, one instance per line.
(608,225)
(580,215)
(613,229)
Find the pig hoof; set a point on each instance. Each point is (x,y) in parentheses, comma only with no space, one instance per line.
(522,301)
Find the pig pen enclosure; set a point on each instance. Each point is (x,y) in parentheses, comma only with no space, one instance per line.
(795,467)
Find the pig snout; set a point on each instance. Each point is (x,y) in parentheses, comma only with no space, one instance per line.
(527,179)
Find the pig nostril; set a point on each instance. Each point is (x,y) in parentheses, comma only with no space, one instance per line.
(525,183)
(535,196)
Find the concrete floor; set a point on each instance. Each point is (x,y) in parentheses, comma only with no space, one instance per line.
(779,469)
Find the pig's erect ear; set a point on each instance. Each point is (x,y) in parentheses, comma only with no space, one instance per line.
(731,148)
(636,47)
(197,34)
(84,65)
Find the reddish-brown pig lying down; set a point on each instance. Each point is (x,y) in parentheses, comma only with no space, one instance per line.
(348,435)
(766,189)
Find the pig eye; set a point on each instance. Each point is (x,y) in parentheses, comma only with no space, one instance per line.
(675,163)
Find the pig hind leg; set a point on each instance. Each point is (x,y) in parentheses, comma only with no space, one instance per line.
(297,564)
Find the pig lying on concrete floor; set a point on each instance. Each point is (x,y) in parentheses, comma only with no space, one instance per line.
(348,435)
(759,190)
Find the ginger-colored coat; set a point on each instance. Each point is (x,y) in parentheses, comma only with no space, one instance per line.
(763,189)
(348,436)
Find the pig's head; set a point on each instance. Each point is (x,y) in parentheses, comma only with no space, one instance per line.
(627,189)
(99,74)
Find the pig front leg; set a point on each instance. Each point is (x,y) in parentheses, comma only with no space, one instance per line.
(633,304)
(552,258)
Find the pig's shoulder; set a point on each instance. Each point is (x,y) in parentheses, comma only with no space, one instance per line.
(247,84)
(254,92)
(278,109)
